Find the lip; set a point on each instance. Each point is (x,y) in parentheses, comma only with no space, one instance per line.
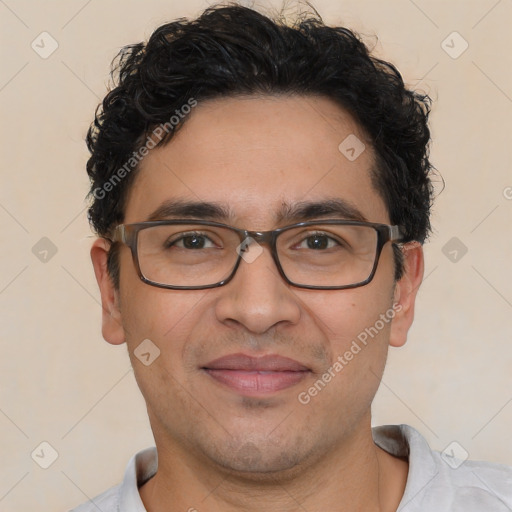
(267,363)
(255,376)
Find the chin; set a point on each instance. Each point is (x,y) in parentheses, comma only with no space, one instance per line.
(259,461)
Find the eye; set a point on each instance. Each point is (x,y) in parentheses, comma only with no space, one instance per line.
(191,241)
(318,241)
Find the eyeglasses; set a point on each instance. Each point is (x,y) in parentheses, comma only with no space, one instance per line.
(196,254)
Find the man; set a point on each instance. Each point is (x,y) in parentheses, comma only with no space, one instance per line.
(261,194)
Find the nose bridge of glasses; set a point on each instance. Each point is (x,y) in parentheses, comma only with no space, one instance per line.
(253,241)
(258,237)
(261,237)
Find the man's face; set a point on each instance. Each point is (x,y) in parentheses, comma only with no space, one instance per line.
(253,156)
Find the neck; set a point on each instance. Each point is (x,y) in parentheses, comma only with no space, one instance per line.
(353,477)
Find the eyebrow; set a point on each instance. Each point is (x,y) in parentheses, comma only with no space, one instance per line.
(298,212)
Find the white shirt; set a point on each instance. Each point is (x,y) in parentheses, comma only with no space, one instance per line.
(435,482)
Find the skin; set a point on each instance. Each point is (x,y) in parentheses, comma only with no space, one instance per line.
(219,451)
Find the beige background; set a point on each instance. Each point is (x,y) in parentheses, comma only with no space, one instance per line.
(61,383)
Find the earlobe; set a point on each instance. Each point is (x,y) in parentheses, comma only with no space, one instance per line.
(405,293)
(112,327)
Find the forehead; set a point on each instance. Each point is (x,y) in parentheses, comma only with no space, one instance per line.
(253,155)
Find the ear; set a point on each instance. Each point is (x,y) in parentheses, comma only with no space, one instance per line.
(405,293)
(112,327)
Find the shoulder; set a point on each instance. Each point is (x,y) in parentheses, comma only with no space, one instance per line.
(472,485)
(107,501)
(445,481)
(125,496)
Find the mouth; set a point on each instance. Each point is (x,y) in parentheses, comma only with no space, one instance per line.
(256,376)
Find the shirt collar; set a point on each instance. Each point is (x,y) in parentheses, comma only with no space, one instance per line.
(140,469)
(405,441)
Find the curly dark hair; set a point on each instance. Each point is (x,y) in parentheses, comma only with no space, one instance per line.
(233,50)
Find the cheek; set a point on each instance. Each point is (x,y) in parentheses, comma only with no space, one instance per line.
(148,311)
(165,317)
(357,327)
(347,315)
(340,397)
(167,320)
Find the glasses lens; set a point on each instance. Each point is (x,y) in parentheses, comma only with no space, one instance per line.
(187,254)
(328,254)
(195,255)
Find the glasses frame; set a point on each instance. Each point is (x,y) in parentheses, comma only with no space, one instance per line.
(127,234)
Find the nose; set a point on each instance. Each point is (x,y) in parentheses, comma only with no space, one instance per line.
(257,297)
